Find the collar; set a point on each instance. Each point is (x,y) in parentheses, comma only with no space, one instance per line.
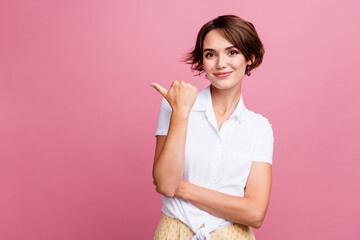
(204,103)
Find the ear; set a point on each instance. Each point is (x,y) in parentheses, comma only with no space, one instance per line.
(251,61)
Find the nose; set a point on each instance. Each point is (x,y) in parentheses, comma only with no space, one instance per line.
(221,61)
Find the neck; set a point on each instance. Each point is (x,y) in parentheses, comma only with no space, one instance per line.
(225,101)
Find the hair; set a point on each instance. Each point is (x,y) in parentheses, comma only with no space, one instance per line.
(239,32)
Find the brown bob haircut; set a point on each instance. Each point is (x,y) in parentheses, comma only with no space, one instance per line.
(239,32)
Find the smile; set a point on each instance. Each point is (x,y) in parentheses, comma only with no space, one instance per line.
(222,74)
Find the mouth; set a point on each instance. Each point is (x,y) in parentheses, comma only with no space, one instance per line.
(222,74)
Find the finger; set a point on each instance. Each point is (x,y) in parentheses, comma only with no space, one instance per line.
(175,83)
(159,88)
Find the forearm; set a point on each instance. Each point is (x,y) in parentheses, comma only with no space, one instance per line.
(240,210)
(169,166)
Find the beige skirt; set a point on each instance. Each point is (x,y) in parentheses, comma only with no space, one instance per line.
(173,229)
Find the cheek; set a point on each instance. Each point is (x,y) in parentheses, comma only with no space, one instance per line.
(206,65)
(239,64)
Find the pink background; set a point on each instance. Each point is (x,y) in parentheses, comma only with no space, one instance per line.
(78,116)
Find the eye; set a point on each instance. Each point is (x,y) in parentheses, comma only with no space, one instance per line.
(207,55)
(233,52)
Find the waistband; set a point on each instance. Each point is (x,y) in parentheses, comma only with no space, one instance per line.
(173,229)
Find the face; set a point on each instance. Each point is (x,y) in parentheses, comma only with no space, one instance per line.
(223,63)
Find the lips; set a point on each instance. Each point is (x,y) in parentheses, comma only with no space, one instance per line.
(222,74)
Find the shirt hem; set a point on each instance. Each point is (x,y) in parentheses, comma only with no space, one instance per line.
(161,132)
(262,160)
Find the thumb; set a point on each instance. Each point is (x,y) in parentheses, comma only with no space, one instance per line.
(159,88)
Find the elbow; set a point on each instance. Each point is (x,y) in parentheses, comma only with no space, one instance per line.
(257,219)
(165,189)
(256,224)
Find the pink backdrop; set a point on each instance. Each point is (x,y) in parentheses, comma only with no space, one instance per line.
(78,116)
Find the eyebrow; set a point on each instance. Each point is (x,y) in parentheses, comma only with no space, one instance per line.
(209,49)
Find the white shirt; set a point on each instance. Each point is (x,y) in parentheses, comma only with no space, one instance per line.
(216,160)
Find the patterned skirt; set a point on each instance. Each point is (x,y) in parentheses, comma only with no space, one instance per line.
(173,229)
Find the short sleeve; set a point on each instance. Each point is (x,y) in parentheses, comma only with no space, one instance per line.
(264,146)
(164,118)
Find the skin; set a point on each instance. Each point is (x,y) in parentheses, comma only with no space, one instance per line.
(219,56)
(170,150)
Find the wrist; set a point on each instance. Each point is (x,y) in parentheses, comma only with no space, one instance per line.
(181,113)
(181,190)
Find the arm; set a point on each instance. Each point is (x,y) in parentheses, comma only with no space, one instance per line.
(168,165)
(248,210)
(170,150)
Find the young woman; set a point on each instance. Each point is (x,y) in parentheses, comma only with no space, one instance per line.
(213,157)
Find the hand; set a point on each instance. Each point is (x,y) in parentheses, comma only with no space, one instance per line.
(181,95)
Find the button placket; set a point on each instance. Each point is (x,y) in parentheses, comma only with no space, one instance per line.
(215,164)
(224,129)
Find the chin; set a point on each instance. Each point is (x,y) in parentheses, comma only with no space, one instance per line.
(224,85)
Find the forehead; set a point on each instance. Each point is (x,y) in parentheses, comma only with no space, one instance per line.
(216,40)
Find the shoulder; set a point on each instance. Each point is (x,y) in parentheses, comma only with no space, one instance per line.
(165,104)
(203,100)
(257,119)
(262,127)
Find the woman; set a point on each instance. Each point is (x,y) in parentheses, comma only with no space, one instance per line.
(213,157)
